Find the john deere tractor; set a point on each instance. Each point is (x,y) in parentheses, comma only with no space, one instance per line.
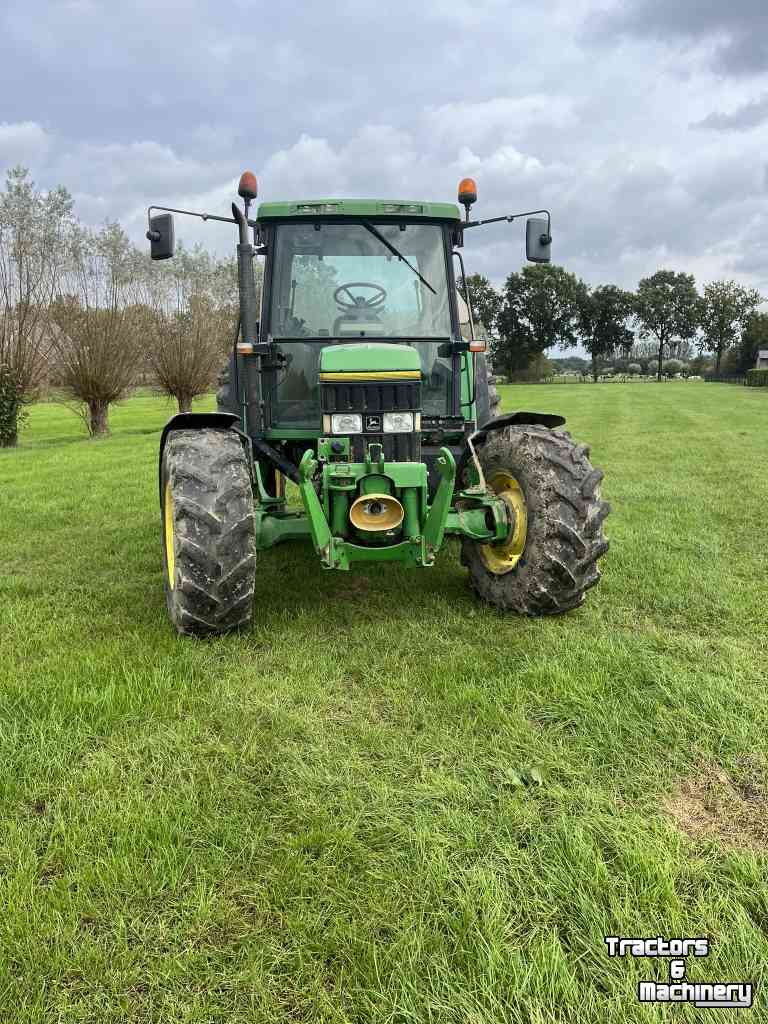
(362,380)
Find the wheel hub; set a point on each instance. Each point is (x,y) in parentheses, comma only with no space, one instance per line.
(503,556)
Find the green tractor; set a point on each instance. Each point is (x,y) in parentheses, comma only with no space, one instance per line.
(361,380)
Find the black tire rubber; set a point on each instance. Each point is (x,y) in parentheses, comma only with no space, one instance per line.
(213,532)
(486,396)
(226,399)
(565,522)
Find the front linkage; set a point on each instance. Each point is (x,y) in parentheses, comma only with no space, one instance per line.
(397,494)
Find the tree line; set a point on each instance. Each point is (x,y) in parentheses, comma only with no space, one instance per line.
(87,316)
(544,306)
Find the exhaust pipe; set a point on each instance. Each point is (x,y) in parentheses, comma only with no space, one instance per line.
(375,513)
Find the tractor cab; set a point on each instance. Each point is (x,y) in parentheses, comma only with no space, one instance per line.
(341,272)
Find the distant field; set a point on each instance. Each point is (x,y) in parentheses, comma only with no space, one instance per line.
(320,820)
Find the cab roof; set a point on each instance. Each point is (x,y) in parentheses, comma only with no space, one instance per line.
(411,209)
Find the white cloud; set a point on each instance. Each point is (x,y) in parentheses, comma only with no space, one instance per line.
(23,143)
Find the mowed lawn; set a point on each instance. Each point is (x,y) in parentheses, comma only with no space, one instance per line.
(322,819)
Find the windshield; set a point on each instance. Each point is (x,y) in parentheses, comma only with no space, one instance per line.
(344,281)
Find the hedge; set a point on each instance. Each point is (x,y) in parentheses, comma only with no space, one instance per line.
(757,378)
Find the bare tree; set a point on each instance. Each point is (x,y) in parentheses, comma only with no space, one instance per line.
(194,311)
(98,346)
(187,351)
(34,234)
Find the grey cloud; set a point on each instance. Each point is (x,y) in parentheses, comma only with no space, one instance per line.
(145,103)
(736,31)
(747,116)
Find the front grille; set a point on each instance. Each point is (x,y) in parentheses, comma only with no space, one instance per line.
(377,397)
(397,447)
(373,396)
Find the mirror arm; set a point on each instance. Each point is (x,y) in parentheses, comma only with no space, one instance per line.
(202,216)
(509,218)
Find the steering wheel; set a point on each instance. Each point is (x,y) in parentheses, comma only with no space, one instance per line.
(359,301)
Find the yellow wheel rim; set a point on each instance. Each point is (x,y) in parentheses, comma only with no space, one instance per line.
(170,554)
(504,556)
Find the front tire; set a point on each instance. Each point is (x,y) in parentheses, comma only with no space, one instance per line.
(549,561)
(209,547)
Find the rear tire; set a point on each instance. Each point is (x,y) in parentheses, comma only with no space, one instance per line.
(486,395)
(226,399)
(563,537)
(209,547)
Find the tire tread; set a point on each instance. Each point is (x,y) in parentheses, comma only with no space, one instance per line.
(215,551)
(565,522)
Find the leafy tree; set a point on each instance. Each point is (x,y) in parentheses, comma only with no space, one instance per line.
(673,366)
(539,368)
(540,308)
(730,363)
(700,364)
(754,337)
(725,310)
(576,363)
(602,324)
(667,308)
(34,237)
(486,302)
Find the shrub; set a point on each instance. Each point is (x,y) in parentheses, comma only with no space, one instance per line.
(673,366)
(634,368)
(757,378)
(11,410)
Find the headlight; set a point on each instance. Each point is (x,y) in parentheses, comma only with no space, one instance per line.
(398,422)
(346,423)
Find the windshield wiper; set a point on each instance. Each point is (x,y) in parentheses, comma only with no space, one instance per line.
(377,234)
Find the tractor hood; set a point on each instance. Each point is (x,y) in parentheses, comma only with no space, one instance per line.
(370,360)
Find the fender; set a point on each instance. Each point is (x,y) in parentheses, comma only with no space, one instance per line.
(544,419)
(199,421)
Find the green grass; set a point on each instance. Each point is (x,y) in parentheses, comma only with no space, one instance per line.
(318,819)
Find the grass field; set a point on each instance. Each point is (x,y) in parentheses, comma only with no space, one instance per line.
(322,819)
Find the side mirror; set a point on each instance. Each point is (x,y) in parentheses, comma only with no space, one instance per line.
(161,236)
(538,241)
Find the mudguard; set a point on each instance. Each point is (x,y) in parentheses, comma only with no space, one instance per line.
(193,421)
(544,419)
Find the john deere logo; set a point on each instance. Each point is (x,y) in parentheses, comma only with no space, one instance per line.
(373,422)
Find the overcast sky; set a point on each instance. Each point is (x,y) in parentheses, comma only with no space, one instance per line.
(642,125)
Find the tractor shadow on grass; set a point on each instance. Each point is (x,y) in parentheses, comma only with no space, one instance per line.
(290,580)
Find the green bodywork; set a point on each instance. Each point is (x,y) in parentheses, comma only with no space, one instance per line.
(411,209)
(369,357)
(329,482)
(474,512)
